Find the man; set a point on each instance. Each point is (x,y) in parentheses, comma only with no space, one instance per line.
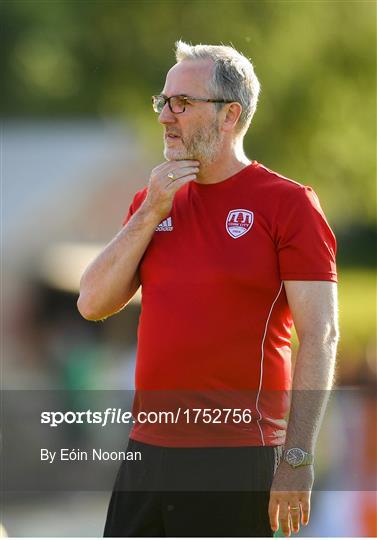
(227,252)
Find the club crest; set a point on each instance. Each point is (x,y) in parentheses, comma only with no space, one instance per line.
(239,222)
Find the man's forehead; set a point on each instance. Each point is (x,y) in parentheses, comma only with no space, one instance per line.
(188,77)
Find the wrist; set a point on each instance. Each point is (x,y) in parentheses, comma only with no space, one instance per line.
(150,215)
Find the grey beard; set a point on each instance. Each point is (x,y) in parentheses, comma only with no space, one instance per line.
(203,146)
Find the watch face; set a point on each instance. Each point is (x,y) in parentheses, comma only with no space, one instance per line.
(295,456)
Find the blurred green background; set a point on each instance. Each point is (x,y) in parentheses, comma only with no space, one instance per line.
(316,120)
(316,62)
(93,61)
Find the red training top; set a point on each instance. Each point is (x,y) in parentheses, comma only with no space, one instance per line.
(215,326)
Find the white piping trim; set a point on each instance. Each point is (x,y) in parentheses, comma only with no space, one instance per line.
(261,363)
(275,460)
(278,453)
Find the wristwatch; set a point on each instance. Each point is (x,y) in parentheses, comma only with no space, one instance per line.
(297,457)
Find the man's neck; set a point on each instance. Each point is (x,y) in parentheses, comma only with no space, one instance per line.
(226,165)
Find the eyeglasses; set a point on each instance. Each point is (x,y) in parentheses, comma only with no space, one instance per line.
(177,104)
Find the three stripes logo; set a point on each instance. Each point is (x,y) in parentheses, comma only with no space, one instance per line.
(165,226)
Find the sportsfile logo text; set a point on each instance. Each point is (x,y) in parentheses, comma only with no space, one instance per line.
(117,416)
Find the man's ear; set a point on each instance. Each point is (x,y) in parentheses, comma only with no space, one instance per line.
(232,115)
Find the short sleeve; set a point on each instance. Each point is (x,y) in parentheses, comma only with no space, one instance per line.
(128,216)
(137,200)
(306,243)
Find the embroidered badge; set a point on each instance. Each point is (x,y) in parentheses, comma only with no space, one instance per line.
(239,222)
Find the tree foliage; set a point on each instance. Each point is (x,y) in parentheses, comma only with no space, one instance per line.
(316,62)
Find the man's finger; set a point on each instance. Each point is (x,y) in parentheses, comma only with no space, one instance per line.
(305,511)
(180,164)
(169,166)
(175,185)
(188,163)
(295,515)
(180,173)
(273,512)
(285,520)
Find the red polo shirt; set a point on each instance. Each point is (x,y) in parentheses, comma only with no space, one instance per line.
(215,326)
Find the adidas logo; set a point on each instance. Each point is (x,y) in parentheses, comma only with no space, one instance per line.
(165,226)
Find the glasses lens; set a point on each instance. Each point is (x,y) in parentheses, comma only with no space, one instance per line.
(177,104)
(158,103)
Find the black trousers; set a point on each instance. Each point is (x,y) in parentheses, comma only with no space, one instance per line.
(195,492)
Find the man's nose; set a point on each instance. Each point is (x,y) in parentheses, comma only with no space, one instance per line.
(166,116)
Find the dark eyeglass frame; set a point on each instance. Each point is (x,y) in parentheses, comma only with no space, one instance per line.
(185,99)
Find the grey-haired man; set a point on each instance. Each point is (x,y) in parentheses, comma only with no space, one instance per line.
(227,253)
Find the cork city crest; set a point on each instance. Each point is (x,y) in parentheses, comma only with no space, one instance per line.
(239,222)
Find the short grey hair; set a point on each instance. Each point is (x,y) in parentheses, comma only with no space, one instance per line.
(233,76)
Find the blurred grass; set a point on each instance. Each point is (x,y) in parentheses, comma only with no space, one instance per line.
(357,312)
(357,316)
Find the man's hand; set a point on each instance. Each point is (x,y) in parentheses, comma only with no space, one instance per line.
(112,278)
(162,187)
(290,498)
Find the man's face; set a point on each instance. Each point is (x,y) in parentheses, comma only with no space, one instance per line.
(195,133)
